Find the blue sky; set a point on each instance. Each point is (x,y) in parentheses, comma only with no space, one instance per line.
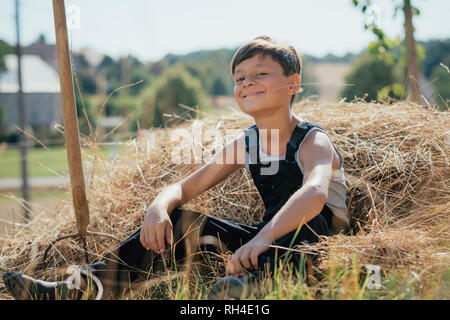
(150,29)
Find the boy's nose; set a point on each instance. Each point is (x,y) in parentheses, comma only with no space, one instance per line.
(248,81)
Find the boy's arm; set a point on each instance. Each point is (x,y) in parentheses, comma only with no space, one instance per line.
(308,201)
(157,226)
(302,206)
(204,178)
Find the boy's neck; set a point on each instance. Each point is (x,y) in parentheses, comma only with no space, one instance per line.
(285,122)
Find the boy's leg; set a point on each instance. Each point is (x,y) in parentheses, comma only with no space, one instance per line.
(131,262)
(234,288)
(193,233)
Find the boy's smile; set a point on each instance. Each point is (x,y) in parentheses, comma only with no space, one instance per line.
(251,95)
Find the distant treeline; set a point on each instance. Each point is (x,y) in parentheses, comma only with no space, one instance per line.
(194,79)
(383,77)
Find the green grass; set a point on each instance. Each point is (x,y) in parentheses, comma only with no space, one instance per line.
(54,158)
(41,162)
(290,284)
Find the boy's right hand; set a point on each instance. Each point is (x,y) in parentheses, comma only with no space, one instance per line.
(156,229)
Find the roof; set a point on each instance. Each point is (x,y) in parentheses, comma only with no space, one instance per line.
(37,75)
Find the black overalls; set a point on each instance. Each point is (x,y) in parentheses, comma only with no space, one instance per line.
(276,183)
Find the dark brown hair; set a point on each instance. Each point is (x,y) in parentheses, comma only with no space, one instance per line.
(285,54)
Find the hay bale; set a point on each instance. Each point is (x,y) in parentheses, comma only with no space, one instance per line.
(395,161)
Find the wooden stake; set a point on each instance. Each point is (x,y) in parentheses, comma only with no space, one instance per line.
(72,135)
(70,120)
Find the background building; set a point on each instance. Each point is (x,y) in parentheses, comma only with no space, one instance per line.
(40,85)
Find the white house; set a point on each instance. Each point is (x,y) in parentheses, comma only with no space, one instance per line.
(40,85)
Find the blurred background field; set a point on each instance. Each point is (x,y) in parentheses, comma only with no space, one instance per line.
(43,162)
(46,162)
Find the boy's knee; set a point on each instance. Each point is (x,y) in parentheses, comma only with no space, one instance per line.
(186,216)
(320,226)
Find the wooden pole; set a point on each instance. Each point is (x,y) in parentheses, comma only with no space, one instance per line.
(22,115)
(71,133)
(70,120)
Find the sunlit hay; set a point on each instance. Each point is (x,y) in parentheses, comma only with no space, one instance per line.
(396,167)
(389,248)
(414,255)
(396,163)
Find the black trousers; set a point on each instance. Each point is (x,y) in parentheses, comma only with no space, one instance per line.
(193,235)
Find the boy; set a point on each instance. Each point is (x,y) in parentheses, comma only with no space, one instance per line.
(299,176)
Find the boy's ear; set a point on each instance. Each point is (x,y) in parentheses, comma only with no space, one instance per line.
(294,83)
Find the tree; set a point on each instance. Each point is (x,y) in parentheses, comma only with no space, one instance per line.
(412,75)
(372,76)
(437,51)
(219,88)
(176,86)
(5,49)
(124,71)
(206,65)
(383,43)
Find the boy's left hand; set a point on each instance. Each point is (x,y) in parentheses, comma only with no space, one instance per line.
(246,257)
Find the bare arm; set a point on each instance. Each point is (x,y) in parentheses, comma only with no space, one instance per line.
(201,180)
(157,225)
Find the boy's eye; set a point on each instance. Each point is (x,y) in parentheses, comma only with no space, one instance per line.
(259,74)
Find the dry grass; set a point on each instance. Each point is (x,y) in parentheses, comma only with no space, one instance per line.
(397,168)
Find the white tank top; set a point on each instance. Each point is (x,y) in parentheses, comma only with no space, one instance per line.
(337,189)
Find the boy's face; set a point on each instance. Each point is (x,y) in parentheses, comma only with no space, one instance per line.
(260,85)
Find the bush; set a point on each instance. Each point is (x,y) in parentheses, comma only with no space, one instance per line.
(125,106)
(176,86)
(122,105)
(10,136)
(5,49)
(370,75)
(2,117)
(442,84)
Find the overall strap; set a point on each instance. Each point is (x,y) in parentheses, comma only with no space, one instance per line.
(297,137)
(252,144)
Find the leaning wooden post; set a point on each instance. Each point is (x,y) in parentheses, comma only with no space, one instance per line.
(71,133)
(70,120)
